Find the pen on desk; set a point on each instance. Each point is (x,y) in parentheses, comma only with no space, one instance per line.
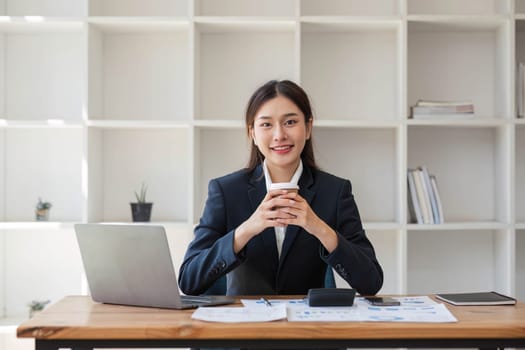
(266,302)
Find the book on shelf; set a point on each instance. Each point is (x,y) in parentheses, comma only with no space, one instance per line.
(414,207)
(520,90)
(431,195)
(477,298)
(418,184)
(433,181)
(424,201)
(436,109)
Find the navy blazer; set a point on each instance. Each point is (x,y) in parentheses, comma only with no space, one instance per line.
(256,269)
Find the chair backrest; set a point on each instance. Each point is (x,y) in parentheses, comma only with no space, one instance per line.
(219,287)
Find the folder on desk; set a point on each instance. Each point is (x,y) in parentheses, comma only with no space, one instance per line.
(478,298)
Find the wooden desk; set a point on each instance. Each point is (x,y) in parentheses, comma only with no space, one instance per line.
(77,322)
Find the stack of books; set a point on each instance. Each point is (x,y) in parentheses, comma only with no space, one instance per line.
(424,201)
(425,109)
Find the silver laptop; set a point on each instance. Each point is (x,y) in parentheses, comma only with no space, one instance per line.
(131,264)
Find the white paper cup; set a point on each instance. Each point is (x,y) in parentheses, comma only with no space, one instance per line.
(289,186)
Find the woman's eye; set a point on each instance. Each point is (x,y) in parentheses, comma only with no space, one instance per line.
(290,122)
(265,125)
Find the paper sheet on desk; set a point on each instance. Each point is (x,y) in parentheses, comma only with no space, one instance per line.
(274,302)
(413,309)
(240,314)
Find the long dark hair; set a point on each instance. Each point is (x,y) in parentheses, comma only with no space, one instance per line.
(294,93)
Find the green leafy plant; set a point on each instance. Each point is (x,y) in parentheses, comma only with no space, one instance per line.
(141,196)
(42,210)
(41,205)
(37,306)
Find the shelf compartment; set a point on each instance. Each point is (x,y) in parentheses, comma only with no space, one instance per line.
(217,153)
(388,251)
(270,8)
(350,8)
(440,68)
(139,70)
(234,59)
(135,8)
(47,259)
(67,8)
(42,163)
(469,165)
(53,53)
(520,7)
(368,158)
(437,262)
(520,173)
(179,237)
(454,7)
(120,160)
(361,60)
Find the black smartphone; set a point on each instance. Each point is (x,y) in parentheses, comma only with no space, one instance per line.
(382,301)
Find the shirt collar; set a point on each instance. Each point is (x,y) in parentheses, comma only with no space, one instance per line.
(295,178)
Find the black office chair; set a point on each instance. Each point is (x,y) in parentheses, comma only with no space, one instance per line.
(219,287)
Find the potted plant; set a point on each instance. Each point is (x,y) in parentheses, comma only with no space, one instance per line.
(42,210)
(141,210)
(36,306)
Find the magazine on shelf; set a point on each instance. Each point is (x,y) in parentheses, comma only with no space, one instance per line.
(477,298)
(434,103)
(442,109)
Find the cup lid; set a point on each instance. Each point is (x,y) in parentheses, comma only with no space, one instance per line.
(283,186)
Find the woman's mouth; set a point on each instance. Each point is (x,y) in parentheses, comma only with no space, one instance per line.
(281,149)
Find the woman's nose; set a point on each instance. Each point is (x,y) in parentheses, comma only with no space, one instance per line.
(279,133)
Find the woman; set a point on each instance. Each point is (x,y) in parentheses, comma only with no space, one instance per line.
(237,232)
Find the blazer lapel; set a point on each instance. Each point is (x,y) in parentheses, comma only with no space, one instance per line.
(305,190)
(256,193)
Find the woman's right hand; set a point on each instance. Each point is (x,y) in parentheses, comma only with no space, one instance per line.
(264,216)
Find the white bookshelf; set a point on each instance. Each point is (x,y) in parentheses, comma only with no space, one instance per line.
(97,96)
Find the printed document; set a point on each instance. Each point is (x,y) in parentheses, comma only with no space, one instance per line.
(412,309)
(240,314)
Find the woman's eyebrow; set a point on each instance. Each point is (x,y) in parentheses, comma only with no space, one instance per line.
(291,114)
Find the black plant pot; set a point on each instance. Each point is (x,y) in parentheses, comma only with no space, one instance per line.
(141,212)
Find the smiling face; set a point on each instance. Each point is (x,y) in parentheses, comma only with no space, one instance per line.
(280,132)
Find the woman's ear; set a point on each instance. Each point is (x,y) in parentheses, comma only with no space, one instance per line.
(309,126)
(252,134)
